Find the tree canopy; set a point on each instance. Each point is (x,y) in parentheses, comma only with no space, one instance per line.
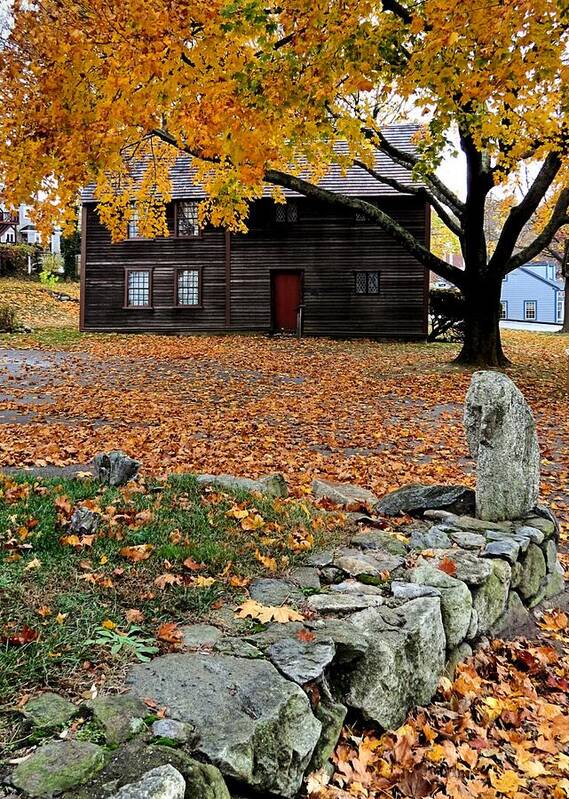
(260,94)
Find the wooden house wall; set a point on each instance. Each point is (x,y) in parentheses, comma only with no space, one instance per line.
(328,245)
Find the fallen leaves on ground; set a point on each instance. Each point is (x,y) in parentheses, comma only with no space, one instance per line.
(266,613)
(37,307)
(499,730)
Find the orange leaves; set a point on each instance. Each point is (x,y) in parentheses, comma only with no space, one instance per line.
(137,553)
(249,519)
(265,614)
(448,566)
(165,580)
(169,633)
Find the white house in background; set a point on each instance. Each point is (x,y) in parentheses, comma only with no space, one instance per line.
(18,227)
(533,293)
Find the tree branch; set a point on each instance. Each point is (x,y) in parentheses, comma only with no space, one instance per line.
(420,191)
(521,214)
(557,220)
(399,10)
(386,222)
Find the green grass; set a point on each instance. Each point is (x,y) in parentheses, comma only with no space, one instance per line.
(62,593)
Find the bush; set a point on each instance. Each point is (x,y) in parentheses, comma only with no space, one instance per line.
(70,249)
(8,319)
(14,258)
(447,315)
(51,269)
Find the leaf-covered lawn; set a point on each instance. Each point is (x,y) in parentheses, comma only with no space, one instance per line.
(380,414)
(165,553)
(36,307)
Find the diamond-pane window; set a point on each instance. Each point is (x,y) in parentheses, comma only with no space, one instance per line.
(286,213)
(188,287)
(366,282)
(187,221)
(138,288)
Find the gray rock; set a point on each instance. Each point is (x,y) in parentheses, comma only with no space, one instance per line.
(550,551)
(554,583)
(306,577)
(473,626)
(354,562)
(401,590)
(378,539)
(501,435)
(163,782)
(534,535)
(507,548)
(120,716)
(320,559)
(58,766)
(546,526)
(435,538)
(196,635)
(350,644)
(456,600)
(533,571)
(342,603)
(403,663)
(545,513)
(115,468)
(49,710)
(466,540)
(355,587)
(491,598)
(301,661)
(84,522)
(344,494)
(273,633)
(332,716)
(523,542)
(274,485)
(471,569)
(269,591)
(468,523)
(252,723)
(516,619)
(415,499)
(517,573)
(330,575)
(172,729)
(237,648)
(456,657)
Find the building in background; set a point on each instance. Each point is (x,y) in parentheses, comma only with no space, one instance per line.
(533,293)
(17,228)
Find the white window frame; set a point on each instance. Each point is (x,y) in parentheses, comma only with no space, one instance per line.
(503,309)
(560,305)
(530,304)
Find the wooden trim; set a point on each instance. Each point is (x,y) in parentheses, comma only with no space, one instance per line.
(199,270)
(227,278)
(83,268)
(427,271)
(150,270)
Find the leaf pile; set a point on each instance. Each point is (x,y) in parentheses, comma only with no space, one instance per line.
(499,730)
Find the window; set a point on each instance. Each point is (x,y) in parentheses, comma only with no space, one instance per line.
(138,285)
(132,224)
(187,222)
(530,310)
(287,213)
(366,282)
(188,287)
(503,309)
(560,305)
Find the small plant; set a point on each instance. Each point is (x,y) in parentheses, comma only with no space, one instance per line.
(51,269)
(8,319)
(130,641)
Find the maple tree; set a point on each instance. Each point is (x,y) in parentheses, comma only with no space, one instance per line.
(261,95)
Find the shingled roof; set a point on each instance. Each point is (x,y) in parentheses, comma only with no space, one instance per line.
(356,182)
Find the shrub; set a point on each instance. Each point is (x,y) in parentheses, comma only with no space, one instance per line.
(447,315)
(8,319)
(70,249)
(14,258)
(51,269)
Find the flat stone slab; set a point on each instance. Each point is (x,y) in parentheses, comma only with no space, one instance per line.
(466,540)
(416,498)
(252,723)
(354,562)
(273,485)
(344,494)
(49,710)
(58,766)
(507,548)
(196,635)
(355,587)
(306,577)
(272,592)
(302,661)
(378,539)
(401,590)
(471,569)
(343,603)
(435,538)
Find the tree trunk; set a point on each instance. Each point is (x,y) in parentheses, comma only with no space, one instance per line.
(482,342)
(565,328)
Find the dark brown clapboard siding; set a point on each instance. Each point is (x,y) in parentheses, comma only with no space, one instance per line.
(328,245)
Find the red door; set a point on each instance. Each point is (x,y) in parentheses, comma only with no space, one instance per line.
(287,296)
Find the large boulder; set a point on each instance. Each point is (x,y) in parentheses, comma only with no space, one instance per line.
(416,498)
(456,600)
(252,723)
(403,663)
(501,435)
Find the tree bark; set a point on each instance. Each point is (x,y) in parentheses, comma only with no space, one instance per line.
(482,340)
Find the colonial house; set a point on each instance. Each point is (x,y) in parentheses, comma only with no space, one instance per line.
(17,227)
(302,267)
(533,293)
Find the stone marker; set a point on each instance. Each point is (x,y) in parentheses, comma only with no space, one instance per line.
(501,435)
(115,468)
